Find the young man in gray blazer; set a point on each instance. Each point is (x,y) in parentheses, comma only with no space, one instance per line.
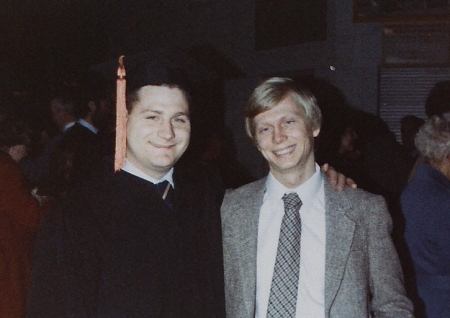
(293,245)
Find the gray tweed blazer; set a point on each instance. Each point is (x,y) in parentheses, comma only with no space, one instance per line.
(363,277)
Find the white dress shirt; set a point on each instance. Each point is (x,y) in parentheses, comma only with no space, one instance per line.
(85,124)
(130,168)
(311,295)
(66,127)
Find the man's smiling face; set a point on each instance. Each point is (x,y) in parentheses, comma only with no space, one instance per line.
(158,129)
(286,140)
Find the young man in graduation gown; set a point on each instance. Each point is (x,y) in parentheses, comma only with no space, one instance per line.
(122,247)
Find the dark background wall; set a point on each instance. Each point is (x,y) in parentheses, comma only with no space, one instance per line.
(238,43)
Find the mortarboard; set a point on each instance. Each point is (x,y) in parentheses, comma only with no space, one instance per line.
(157,72)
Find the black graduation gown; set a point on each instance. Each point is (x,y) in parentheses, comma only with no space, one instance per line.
(113,249)
(87,152)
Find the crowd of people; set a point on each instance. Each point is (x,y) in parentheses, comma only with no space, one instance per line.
(162,237)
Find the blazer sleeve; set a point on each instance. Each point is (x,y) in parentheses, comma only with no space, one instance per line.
(386,278)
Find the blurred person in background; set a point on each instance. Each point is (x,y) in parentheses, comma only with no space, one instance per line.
(438,99)
(426,208)
(74,146)
(20,216)
(62,107)
(80,150)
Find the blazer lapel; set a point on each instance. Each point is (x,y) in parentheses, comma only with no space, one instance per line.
(339,236)
(246,223)
(249,255)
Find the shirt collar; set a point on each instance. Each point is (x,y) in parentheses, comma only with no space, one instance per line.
(69,125)
(306,191)
(130,168)
(85,124)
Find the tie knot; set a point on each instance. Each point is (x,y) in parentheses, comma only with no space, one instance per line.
(292,201)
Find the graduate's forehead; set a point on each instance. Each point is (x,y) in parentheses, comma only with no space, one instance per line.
(161,98)
(151,93)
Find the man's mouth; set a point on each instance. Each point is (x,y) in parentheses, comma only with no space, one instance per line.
(284,151)
(161,146)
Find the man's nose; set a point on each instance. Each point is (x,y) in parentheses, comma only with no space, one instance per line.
(278,135)
(166,130)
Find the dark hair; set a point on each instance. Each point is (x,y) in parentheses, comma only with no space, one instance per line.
(67,98)
(14,132)
(133,97)
(157,72)
(92,87)
(438,100)
(417,121)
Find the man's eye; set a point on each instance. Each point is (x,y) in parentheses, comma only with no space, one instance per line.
(180,120)
(151,117)
(264,130)
(290,122)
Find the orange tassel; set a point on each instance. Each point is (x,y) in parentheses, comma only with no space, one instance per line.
(121,118)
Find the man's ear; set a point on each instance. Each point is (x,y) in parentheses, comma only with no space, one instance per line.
(316,132)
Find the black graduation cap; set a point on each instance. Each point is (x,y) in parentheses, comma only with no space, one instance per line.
(157,72)
(160,64)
